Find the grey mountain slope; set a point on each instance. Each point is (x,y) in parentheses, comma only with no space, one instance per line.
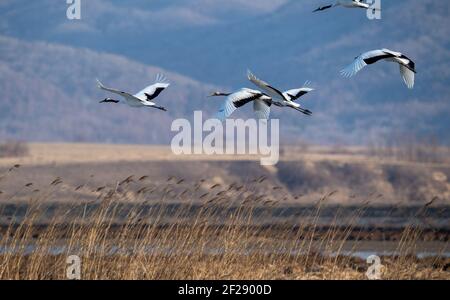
(285,44)
(50,94)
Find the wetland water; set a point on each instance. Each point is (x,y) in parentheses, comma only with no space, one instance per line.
(351,249)
(376,230)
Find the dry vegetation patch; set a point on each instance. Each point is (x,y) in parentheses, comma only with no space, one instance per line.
(217,241)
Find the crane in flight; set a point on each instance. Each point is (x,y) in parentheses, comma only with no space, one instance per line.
(233,101)
(286,99)
(142,99)
(347,4)
(407,66)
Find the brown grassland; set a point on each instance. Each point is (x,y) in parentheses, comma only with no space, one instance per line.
(174,227)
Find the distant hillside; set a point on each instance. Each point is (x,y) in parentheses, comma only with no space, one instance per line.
(215,42)
(49,93)
(303,176)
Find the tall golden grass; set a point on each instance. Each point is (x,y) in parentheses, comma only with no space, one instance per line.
(227,236)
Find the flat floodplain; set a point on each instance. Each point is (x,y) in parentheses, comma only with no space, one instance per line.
(140,212)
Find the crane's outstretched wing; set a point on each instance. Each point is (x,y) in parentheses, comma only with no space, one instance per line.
(270,90)
(363,60)
(154,90)
(236,100)
(261,109)
(294,94)
(101,86)
(391,53)
(227,109)
(354,68)
(408,76)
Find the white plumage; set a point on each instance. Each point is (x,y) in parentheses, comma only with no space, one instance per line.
(143,98)
(261,103)
(347,4)
(279,98)
(154,90)
(407,66)
(294,94)
(262,109)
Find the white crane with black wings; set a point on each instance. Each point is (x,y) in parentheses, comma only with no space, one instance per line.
(142,99)
(261,103)
(407,66)
(282,99)
(347,4)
